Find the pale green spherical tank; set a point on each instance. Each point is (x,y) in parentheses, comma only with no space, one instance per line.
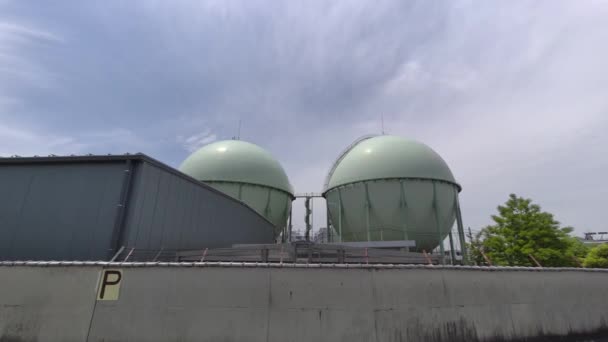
(387,188)
(246,172)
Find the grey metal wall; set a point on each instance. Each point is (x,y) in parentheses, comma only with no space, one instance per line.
(168,211)
(58,211)
(69,208)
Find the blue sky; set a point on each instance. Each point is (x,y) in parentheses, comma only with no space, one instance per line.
(513,95)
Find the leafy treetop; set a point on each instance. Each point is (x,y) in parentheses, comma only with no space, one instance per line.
(598,257)
(520,230)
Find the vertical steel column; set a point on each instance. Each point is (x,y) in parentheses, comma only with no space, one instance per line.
(312,215)
(340,215)
(290,225)
(403,205)
(284,235)
(267,210)
(367,208)
(327,224)
(307,218)
(441,248)
(463,244)
(121,208)
(452,252)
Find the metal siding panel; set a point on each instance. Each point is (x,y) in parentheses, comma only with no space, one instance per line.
(193,218)
(208,217)
(171,215)
(188,234)
(57,209)
(221,221)
(187,205)
(173,212)
(15,187)
(135,204)
(162,202)
(83,211)
(174,216)
(150,193)
(37,211)
(107,209)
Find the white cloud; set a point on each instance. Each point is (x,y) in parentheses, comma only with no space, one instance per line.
(14,33)
(24,142)
(15,67)
(196,141)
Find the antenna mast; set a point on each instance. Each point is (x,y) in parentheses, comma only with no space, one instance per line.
(382,121)
(238,131)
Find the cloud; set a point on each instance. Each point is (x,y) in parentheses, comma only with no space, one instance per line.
(26,142)
(23,142)
(512,95)
(15,40)
(194,142)
(13,33)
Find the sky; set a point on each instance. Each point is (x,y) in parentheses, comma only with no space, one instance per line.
(512,94)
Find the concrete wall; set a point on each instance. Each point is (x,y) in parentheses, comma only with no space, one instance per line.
(237,303)
(46,303)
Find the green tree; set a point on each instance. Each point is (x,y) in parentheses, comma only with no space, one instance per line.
(474,247)
(577,250)
(522,229)
(597,257)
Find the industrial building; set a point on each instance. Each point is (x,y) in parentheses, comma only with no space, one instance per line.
(382,192)
(95,207)
(593,239)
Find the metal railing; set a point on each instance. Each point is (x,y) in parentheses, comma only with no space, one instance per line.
(297,252)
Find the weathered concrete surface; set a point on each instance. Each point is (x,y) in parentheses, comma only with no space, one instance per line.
(202,303)
(46,303)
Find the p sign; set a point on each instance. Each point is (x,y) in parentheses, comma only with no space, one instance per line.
(109,285)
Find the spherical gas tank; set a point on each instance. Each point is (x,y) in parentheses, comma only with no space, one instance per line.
(387,188)
(246,172)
